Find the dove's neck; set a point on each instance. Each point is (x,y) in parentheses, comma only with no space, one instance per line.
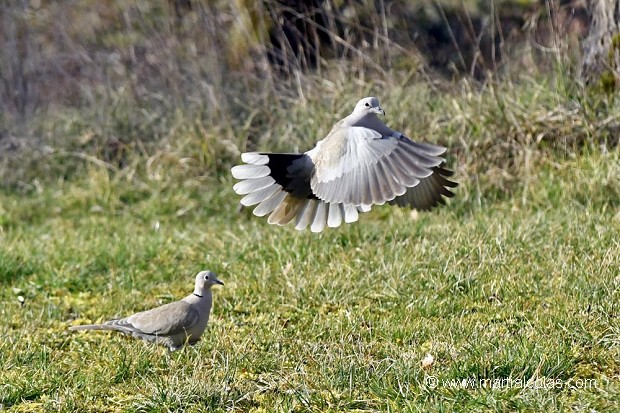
(370,121)
(200,297)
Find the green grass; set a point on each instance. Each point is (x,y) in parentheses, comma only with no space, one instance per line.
(115,190)
(522,287)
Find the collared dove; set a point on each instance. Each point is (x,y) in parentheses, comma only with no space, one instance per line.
(172,324)
(361,162)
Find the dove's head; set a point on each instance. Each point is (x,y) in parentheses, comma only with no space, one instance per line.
(204,281)
(368,105)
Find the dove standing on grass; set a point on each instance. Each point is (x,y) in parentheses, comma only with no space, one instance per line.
(172,324)
(360,163)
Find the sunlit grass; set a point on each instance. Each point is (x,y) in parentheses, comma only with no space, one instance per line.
(523,288)
(115,190)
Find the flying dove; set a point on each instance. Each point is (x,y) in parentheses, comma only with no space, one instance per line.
(360,163)
(172,324)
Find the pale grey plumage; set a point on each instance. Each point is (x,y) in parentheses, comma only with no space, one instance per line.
(172,324)
(360,163)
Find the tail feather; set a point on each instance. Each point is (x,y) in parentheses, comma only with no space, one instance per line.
(350,214)
(279,186)
(250,171)
(260,195)
(269,204)
(305,215)
(252,185)
(287,210)
(255,158)
(335,215)
(93,327)
(320,216)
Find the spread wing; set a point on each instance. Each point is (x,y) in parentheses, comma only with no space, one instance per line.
(429,192)
(359,166)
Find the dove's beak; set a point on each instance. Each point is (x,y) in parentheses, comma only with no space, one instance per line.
(218,282)
(378,110)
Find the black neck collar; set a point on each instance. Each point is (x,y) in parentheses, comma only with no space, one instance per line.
(198,295)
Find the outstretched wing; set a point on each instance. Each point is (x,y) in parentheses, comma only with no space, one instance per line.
(359,166)
(429,192)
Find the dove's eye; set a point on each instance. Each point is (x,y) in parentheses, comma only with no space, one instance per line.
(367,105)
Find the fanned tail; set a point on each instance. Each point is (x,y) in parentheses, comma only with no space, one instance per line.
(279,186)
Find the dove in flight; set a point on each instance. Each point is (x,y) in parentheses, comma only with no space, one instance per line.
(173,324)
(360,163)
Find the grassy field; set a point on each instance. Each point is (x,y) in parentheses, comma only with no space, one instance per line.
(115,190)
(522,288)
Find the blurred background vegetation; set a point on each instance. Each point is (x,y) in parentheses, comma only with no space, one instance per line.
(120,119)
(150,90)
